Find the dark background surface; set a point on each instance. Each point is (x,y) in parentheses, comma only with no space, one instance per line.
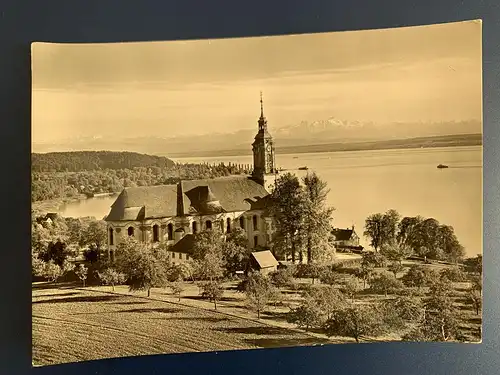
(23,21)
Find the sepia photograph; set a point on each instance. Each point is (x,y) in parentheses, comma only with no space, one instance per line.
(262,192)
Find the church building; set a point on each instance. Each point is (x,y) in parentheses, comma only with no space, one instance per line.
(174,213)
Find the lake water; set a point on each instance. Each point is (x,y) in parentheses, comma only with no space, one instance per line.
(366,182)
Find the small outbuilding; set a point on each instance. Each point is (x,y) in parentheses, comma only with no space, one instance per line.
(263,262)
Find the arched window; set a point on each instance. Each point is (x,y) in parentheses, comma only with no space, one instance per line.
(195,227)
(254,218)
(156,233)
(255,241)
(208,224)
(221,225)
(130,231)
(242,222)
(228,225)
(111,237)
(170,232)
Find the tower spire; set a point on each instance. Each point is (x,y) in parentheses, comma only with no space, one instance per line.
(261,106)
(262,119)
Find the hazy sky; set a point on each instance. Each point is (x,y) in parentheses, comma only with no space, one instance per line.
(430,73)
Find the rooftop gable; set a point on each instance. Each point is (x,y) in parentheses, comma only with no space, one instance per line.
(264,259)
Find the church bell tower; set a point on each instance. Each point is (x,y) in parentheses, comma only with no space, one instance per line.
(263,150)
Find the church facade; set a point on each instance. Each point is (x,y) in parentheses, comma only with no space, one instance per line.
(174,213)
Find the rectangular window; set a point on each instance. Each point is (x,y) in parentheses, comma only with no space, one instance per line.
(255,241)
(173,255)
(180,255)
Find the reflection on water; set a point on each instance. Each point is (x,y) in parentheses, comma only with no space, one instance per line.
(365,182)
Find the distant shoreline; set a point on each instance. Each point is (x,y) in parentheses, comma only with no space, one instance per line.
(398,144)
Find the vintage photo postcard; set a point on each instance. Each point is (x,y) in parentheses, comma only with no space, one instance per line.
(211,195)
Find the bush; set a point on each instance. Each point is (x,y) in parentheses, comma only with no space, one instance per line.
(454,274)
(372,259)
(385,283)
(282,277)
(418,276)
(330,277)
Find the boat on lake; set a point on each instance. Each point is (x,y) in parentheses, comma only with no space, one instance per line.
(303,169)
(442,166)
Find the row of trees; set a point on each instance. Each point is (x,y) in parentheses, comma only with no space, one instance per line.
(400,237)
(64,184)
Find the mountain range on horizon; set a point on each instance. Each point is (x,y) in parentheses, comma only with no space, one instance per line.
(304,133)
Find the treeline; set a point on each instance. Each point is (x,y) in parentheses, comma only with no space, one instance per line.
(64,181)
(78,161)
(394,236)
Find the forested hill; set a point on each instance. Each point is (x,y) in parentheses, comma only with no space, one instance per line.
(78,161)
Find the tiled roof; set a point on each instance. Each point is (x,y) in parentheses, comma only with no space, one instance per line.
(342,234)
(265,259)
(185,245)
(154,201)
(225,194)
(233,193)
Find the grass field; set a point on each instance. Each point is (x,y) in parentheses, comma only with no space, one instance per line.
(72,325)
(75,324)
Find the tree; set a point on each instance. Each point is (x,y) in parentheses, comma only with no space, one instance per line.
(408,231)
(312,271)
(417,276)
(396,253)
(282,277)
(351,286)
(52,271)
(355,321)
(330,277)
(474,296)
(56,251)
(110,276)
(407,307)
(259,292)
(82,272)
(235,257)
(395,268)
(307,315)
(474,265)
(381,228)
(208,255)
(452,250)
(384,283)
(365,273)
(212,290)
(37,266)
(177,272)
(477,283)
(373,260)
(317,217)
(288,207)
(145,266)
(440,316)
(440,322)
(95,236)
(317,306)
(454,274)
(177,288)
